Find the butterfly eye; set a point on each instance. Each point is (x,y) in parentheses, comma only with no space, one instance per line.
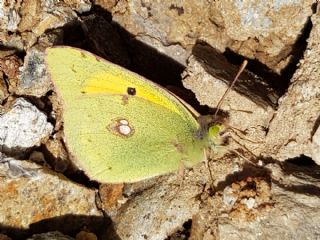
(131,91)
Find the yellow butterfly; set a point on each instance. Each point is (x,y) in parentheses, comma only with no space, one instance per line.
(119,126)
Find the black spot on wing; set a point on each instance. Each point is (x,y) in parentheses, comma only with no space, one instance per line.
(131,91)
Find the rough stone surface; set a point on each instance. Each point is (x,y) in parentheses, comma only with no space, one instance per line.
(159,209)
(23,22)
(293,130)
(266,31)
(256,29)
(9,67)
(35,198)
(294,213)
(155,213)
(244,202)
(23,126)
(278,201)
(57,154)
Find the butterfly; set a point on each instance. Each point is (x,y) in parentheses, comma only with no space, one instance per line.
(120,127)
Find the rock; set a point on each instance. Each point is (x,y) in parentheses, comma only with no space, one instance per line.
(110,196)
(34,79)
(9,65)
(163,205)
(27,20)
(156,213)
(293,213)
(9,16)
(38,200)
(293,130)
(255,29)
(23,126)
(56,154)
(259,203)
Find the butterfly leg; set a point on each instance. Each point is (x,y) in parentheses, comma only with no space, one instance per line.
(181,175)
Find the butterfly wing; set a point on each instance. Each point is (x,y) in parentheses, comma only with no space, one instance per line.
(114,136)
(157,142)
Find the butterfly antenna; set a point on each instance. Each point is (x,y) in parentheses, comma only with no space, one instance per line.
(244,64)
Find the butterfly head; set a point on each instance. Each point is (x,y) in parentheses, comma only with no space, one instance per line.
(215,137)
(213,130)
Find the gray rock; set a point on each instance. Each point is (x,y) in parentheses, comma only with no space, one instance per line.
(34,79)
(23,127)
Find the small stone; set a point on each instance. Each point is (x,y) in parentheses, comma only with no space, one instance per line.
(10,66)
(110,194)
(229,197)
(249,202)
(23,127)
(57,154)
(34,79)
